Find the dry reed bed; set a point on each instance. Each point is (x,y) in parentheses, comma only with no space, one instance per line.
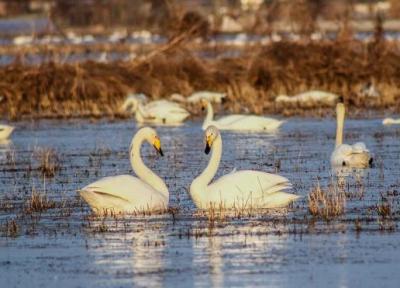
(252,80)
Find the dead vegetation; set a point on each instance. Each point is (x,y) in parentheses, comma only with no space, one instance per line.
(38,203)
(49,161)
(10,228)
(97,89)
(326,204)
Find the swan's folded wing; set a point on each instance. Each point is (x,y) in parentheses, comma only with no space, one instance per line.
(360,147)
(161,112)
(123,187)
(227,120)
(247,185)
(163,104)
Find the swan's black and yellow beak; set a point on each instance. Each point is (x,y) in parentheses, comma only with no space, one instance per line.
(157,146)
(203,105)
(208,145)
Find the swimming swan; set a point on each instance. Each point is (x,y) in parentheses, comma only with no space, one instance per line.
(156,112)
(390,121)
(244,189)
(239,122)
(356,155)
(5,131)
(126,193)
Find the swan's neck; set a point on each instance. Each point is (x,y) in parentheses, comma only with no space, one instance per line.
(141,170)
(129,105)
(340,113)
(140,114)
(209,117)
(208,174)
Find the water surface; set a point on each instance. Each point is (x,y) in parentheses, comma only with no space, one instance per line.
(63,246)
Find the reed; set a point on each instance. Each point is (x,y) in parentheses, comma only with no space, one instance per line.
(326,204)
(252,80)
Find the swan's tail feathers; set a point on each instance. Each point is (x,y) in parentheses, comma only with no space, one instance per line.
(277,187)
(273,125)
(280,199)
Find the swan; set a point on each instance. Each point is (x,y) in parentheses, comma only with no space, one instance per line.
(309,99)
(126,193)
(5,131)
(156,112)
(356,155)
(244,189)
(369,90)
(213,97)
(390,121)
(239,122)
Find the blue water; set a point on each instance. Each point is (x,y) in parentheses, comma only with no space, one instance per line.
(266,250)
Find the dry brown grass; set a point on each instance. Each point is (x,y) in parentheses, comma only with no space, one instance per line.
(11,228)
(326,204)
(49,161)
(38,203)
(97,89)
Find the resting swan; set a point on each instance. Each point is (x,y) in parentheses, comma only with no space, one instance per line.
(308,99)
(390,121)
(239,122)
(156,112)
(239,189)
(354,156)
(5,131)
(126,193)
(196,97)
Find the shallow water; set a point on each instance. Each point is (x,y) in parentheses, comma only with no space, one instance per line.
(62,246)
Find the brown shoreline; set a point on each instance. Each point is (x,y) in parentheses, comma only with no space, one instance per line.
(252,80)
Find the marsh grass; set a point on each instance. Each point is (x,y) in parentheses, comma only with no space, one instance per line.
(326,204)
(11,228)
(387,210)
(38,203)
(49,161)
(94,89)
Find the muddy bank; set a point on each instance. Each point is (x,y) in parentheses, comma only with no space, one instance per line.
(252,80)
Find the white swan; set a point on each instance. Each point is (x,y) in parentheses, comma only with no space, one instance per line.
(213,97)
(391,121)
(241,189)
(239,122)
(308,99)
(126,193)
(156,112)
(356,155)
(5,131)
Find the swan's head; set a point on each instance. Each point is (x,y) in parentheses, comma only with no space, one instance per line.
(131,104)
(204,103)
(152,138)
(210,135)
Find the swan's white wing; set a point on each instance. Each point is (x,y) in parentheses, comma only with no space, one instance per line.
(162,103)
(5,131)
(123,193)
(161,111)
(226,120)
(210,96)
(359,147)
(249,188)
(249,123)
